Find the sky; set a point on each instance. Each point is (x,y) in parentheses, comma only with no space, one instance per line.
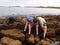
(55,3)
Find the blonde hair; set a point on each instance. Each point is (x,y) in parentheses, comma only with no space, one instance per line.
(23,19)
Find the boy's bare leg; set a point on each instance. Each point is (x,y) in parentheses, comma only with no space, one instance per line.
(25,26)
(29,29)
(37,29)
(45,31)
(29,32)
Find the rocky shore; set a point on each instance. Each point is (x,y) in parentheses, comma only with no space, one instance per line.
(12,35)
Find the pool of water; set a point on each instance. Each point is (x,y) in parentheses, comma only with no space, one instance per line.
(55,43)
(9,11)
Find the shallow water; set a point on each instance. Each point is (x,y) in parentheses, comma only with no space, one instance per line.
(55,43)
(9,11)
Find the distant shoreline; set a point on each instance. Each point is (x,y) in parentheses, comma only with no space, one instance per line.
(34,7)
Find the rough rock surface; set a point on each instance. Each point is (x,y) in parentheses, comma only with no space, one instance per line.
(9,41)
(1,44)
(43,42)
(37,39)
(31,39)
(14,33)
(11,34)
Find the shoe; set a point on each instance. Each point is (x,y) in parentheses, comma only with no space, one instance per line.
(27,36)
(43,38)
(24,32)
(36,35)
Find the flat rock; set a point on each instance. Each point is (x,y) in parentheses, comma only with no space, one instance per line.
(53,38)
(43,42)
(10,41)
(14,33)
(1,43)
(37,39)
(31,39)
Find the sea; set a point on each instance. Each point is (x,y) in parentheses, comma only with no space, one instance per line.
(24,11)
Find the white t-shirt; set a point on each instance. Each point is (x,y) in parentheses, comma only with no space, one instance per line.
(42,21)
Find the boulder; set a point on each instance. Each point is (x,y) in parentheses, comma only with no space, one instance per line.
(1,43)
(53,38)
(31,39)
(1,25)
(10,41)
(6,40)
(15,42)
(49,40)
(51,33)
(51,25)
(14,33)
(57,38)
(37,39)
(43,42)
(57,32)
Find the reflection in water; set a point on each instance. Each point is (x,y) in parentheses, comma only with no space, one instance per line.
(55,43)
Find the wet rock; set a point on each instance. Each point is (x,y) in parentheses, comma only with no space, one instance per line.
(1,43)
(49,40)
(43,42)
(50,29)
(57,24)
(37,39)
(14,33)
(57,38)
(15,42)
(58,32)
(58,44)
(1,25)
(51,33)
(6,40)
(53,24)
(9,41)
(31,39)
(53,38)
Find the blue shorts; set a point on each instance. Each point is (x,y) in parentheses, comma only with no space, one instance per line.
(30,20)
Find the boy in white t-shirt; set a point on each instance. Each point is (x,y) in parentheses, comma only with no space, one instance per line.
(40,24)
